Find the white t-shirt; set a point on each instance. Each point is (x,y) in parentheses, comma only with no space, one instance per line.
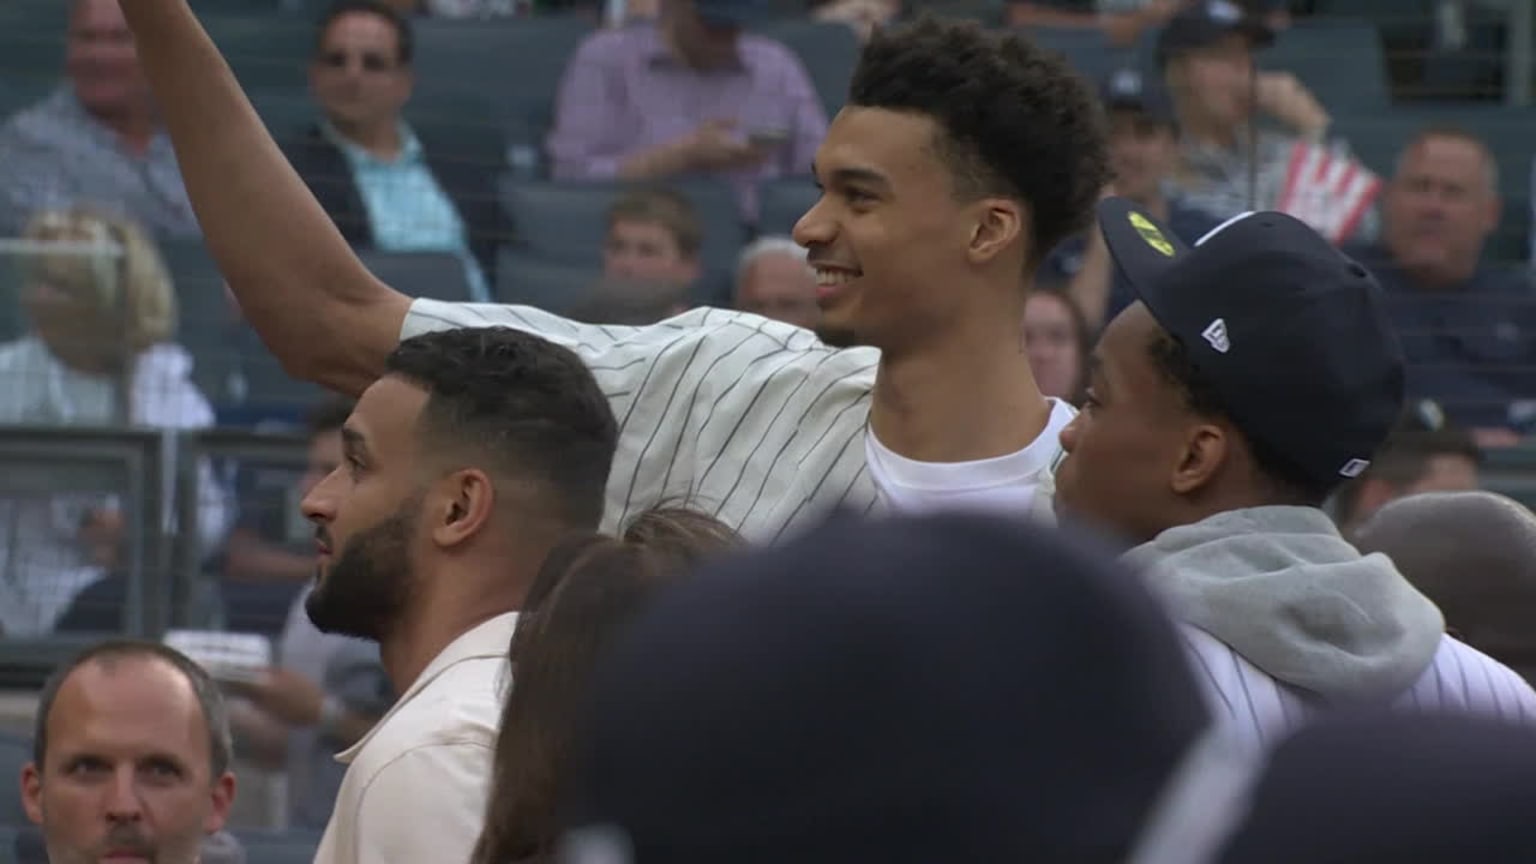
(752,420)
(417,784)
(1020,482)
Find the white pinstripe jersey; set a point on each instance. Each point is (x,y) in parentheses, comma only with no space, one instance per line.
(1261,710)
(752,420)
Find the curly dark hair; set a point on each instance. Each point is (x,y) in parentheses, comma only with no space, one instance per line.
(1288,483)
(1017,120)
(529,406)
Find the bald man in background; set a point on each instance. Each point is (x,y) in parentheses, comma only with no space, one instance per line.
(1474,555)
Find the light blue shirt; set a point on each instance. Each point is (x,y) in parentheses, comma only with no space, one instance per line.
(408,210)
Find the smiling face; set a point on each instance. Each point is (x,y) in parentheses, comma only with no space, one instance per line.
(367,516)
(890,240)
(126,776)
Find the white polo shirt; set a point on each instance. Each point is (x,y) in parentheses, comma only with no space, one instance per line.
(417,783)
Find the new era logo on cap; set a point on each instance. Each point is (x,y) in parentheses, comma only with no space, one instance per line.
(1354,468)
(1216,334)
(1223,11)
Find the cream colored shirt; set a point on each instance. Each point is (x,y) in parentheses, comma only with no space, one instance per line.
(417,783)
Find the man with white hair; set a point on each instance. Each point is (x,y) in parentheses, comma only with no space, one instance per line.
(774,281)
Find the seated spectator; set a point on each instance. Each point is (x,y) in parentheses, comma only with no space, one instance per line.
(322,697)
(97,139)
(653,234)
(588,591)
(383,185)
(864,16)
(1468,328)
(1413,461)
(774,281)
(631,302)
(693,94)
(1474,554)
(1057,340)
(131,761)
(1229,164)
(102,311)
(1143,149)
(270,555)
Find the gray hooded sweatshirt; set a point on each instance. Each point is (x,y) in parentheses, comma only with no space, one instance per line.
(1287,593)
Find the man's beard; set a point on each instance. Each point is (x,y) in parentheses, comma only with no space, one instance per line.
(367,589)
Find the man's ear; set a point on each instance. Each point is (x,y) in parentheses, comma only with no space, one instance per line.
(999,222)
(1207,446)
(32,792)
(223,800)
(462,505)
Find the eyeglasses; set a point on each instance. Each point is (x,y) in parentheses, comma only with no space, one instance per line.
(371,61)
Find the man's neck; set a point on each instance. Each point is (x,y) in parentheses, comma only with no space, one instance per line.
(971,397)
(380,140)
(135,129)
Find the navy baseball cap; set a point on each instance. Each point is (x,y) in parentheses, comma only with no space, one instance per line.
(1289,332)
(1128,89)
(955,688)
(733,14)
(1206,23)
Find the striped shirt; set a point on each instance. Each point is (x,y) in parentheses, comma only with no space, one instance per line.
(1261,710)
(752,420)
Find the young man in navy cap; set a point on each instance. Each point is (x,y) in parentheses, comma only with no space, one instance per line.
(1254,374)
(1143,150)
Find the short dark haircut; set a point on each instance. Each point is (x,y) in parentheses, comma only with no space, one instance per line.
(209,697)
(1016,120)
(1288,483)
(328,416)
(529,405)
(405,40)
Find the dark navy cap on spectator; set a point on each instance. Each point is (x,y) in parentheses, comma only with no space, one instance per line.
(1203,24)
(1420,788)
(1290,333)
(954,688)
(1129,90)
(734,14)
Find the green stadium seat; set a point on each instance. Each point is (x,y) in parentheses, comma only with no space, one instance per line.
(553,286)
(829,50)
(1340,61)
(264,50)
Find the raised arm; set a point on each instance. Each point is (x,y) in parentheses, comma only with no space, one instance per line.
(314,304)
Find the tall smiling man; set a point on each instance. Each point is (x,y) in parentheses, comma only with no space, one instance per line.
(962,158)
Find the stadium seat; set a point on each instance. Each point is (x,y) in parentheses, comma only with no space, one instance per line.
(565,221)
(1511,471)
(829,51)
(1340,61)
(15,752)
(555,287)
(783,202)
(1084,48)
(434,275)
(264,50)
(497,75)
(31,39)
(278,847)
(234,370)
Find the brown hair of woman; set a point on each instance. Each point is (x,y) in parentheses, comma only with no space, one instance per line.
(589,588)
